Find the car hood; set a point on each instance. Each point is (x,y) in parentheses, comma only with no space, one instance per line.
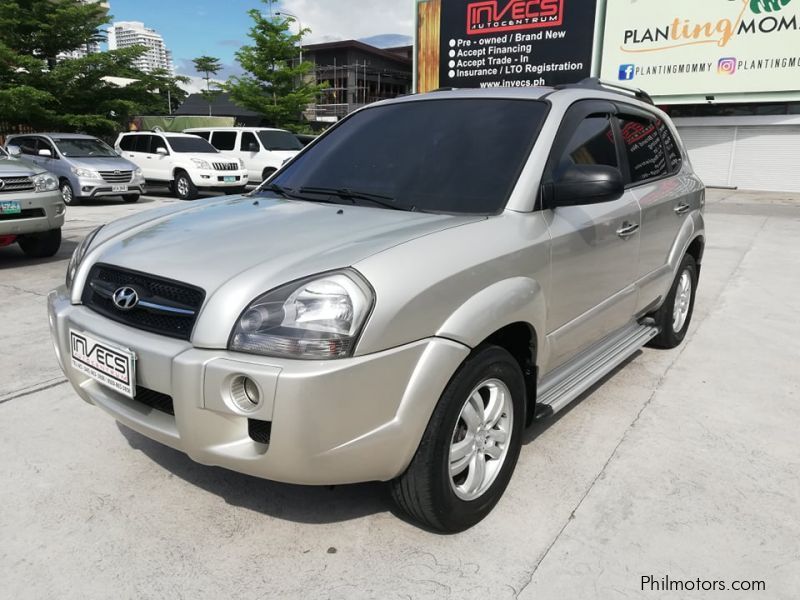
(284,154)
(240,247)
(102,163)
(17,166)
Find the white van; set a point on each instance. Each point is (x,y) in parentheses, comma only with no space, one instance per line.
(262,150)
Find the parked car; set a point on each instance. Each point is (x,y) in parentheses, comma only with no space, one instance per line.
(186,163)
(397,312)
(86,167)
(31,209)
(263,151)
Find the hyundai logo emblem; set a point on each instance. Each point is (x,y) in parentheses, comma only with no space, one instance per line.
(126,298)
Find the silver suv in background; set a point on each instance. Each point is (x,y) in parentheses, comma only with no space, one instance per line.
(397,311)
(31,209)
(86,167)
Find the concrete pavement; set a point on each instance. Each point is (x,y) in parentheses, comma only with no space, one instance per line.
(682,463)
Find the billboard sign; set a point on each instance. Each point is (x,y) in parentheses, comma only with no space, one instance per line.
(693,48)
(503,43)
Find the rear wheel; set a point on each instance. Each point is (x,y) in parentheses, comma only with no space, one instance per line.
(676,313)
(68,194)
(184,188)
(470,447)
(236,190)
(267,173)
(130,198)
(41,245)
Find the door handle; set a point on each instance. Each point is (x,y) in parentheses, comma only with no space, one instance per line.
(627,230)
(682,208)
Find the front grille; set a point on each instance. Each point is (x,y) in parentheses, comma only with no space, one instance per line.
(173,306)
(155,400)
(226,166)
(259,431)
(27,213)
(16,184)
(117,176)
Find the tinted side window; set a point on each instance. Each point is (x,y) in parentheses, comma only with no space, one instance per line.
(27,145)
(46,145)
(591,144)
(127,142)
(644,149)
(247,139)
(673,154)
(141,143)
(206,135)
(224,140)
(156,141)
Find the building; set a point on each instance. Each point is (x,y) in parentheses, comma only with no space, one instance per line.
(356,74)
(125,34)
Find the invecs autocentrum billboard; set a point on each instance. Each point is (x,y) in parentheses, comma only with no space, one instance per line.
(703,47)
(508,43)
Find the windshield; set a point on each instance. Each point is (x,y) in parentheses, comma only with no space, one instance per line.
(191,144)
(279,140)
(83,148)
(452,156)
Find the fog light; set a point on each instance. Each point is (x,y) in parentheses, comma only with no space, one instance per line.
(86,188)
(245,393)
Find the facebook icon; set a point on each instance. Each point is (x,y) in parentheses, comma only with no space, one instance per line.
(626,72)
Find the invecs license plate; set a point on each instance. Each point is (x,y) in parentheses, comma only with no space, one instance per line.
(106,363)
(119,188)
(9,207)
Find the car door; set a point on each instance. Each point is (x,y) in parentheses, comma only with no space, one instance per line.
(653,161)
(52,163)
(249,149)
(224,141)
(595,247)
(136,148)
(161,164)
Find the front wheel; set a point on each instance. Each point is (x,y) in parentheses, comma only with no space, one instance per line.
(41,245)
(470,447)
(68,194)
(184,188)
(674,316)
(267,173)
(130,198)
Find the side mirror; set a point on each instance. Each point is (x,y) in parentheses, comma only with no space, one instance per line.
(585,184)
(45,152)
(162,151)
(253,147)
(14,150)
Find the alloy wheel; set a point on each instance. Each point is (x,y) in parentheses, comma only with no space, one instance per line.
(683,300)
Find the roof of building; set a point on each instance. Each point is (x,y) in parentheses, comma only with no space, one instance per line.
(358,46)
(221,106)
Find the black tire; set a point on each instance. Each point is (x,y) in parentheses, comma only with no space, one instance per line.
(669,337)
(267,173)
(68,194)
(41,245)
(425,491)
(183,186)
(130,198)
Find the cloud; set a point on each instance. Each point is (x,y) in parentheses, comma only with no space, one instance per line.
(352,19)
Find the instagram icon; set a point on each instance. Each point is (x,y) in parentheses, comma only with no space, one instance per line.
(726,66)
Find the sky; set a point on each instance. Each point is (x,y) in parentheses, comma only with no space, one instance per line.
(193,28)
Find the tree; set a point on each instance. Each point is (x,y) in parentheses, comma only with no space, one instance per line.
(275,82)
(210,66)
(43,87)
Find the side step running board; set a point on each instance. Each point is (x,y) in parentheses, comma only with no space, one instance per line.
(568,382)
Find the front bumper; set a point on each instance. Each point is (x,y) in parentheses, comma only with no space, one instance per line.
(41,211)
(332,422)
(97,188)
(208,179)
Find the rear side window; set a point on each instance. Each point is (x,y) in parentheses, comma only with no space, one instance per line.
(591,144)
(644,149)
(142,143)
(248,139)
(127,143)
(27,145)
(206,135)
(224,140)
(671,146)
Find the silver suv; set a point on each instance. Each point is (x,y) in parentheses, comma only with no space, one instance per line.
(400,300)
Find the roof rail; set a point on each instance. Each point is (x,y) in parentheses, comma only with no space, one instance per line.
(596,83)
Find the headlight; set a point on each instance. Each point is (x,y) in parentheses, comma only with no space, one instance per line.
(138,173)
(88,173)
(200,163)
(315,318)
(77,256)
(44,182)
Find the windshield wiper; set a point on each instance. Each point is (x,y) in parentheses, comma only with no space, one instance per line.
(290,195)
(348,194)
